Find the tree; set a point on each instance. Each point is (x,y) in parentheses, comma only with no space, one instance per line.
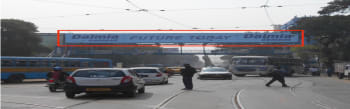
(307,53)
(341,6)
(18,38)
(332,36)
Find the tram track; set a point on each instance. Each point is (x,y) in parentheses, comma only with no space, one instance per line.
(166,101)
(293,88)
(235,100)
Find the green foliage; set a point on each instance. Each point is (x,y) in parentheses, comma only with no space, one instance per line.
(307,52)
(331,34)
(18,38)
(341,6)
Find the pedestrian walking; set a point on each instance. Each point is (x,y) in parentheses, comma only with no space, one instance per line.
(187,74)
(277,74)
(330,71)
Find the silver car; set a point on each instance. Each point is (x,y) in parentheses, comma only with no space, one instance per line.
(103,80)
(214,72)
(152,75)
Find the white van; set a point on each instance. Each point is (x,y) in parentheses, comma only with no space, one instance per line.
(342,69)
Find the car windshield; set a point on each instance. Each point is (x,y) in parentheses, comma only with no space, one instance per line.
(99,73)
(249,61)
(146,70)
(214,70)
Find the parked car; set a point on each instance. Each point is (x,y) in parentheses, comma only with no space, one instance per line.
(152,75)
(104,80)
(214,72)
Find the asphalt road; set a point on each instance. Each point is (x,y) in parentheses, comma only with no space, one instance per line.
(239,93)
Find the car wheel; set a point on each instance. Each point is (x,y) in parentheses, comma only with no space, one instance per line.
(142,90)
(69,94)
(229,78)
(166,82)
(52,89)
(131,93)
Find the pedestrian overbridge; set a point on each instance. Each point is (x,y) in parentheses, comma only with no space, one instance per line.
(175,42)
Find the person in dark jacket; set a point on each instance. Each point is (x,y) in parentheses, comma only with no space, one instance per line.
(277,74)
(187,75)
(57,74)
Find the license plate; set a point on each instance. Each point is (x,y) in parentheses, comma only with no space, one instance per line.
(98,89)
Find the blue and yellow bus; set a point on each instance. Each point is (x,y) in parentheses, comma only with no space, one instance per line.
(15,69)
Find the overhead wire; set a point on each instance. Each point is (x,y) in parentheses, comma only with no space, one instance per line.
(159,16)
(151,11)
(265,6)
(77,15)
(78,4)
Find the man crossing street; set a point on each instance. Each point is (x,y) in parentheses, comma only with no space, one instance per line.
(277,74)
(187,75)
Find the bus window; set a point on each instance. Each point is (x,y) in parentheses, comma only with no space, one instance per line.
(44,63)
(53,63)
(34,63)
(6,63)
(84,64)
(75,64)
(101,64)
(257,61)
(21,63)
(240,61)
(66,64)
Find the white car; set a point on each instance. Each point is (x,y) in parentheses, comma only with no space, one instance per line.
(215,72)
(103,80)
(152,75)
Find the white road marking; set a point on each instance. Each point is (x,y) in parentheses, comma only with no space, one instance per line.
(32,104)
(36,97)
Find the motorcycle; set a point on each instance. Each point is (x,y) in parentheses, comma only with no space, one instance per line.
(55,84)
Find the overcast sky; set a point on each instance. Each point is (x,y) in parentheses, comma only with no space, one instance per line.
(50,15)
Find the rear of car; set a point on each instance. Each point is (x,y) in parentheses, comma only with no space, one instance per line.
(151,75)
(214,73)
(103,80)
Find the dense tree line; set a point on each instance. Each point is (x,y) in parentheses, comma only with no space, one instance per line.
(330,32)
(18,38)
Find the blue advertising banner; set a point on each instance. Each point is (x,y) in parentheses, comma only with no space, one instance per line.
(93,38)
